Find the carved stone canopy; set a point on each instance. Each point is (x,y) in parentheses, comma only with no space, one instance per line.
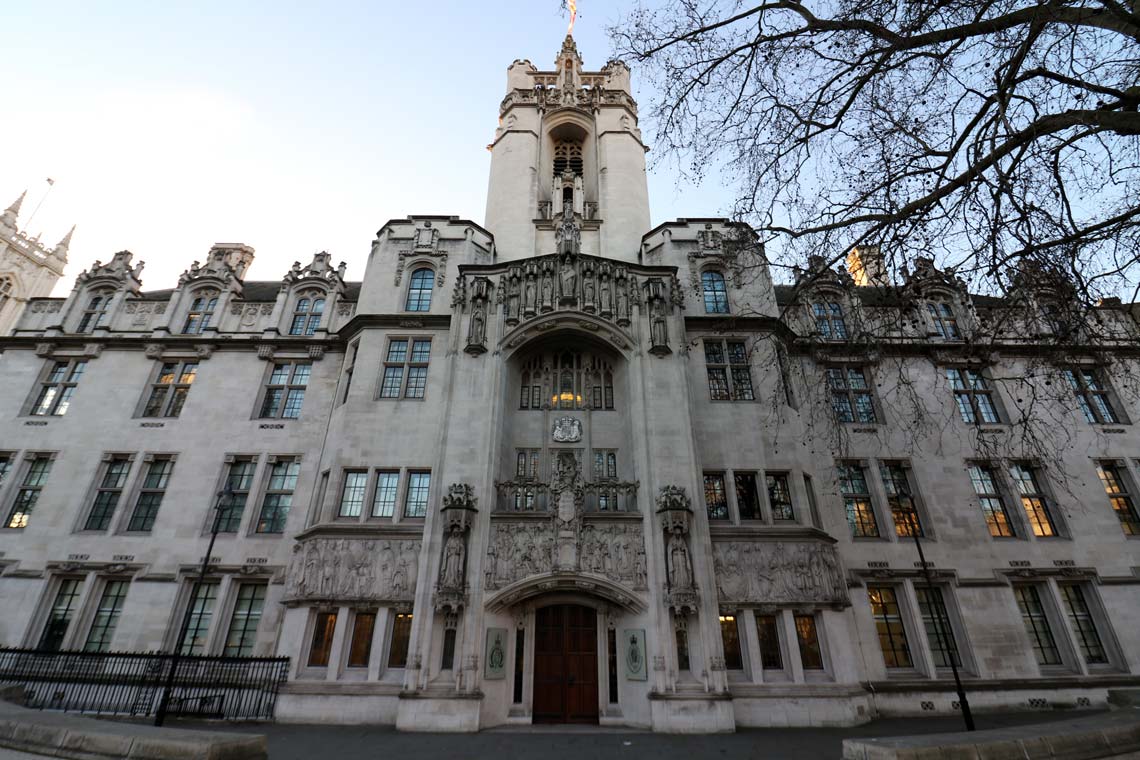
(674,510)
(459,506)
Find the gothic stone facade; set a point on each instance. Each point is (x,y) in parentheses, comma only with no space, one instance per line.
(565,467)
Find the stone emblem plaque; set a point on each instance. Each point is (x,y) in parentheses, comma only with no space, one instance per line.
(567,430)
(496,657)
(633,653)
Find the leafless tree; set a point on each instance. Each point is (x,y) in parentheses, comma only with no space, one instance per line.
(983,133)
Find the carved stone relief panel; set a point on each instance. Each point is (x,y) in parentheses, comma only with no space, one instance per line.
(353,569)
(517,551)
(778,572)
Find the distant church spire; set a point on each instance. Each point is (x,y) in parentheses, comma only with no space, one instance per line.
(8,218)
(62,246)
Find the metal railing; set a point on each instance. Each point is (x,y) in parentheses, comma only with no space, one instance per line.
(522,495)
(130,683)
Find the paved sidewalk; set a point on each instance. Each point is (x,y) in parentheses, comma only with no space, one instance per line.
(297,742)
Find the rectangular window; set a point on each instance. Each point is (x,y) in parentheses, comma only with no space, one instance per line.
(768,629)
(401,632)
(727,360)
(829,321)
(360,647)
(811,656)
(202,600)
(1081,619)
(1092,396)
(857,501)
(278,496)
(349,367)
(1037,625)
(57,388)
(889,624)
(605,464)
(1119,498)
(243,623)
(896,483)
(352,494)
(239,479)
(973,395)
(59,616)
(285,391)
(851,394)
(611,665)
(747,499)
(780,496)
(520,671)
(107,495)
(401,363)
(716,501)
(416,501)
(527,464)
(151,493)
(384,500)
(106,617)
(5,466)
(1033,499)
(169,390)
(682,638)
(936,622)
(730,637)
(993,505)
(29,494)
(323,629)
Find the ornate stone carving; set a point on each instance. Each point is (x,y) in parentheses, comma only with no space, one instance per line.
(119,273)
(658,311)
(320,268)
(676,516)
(517,551)
(457,512)
(567,430)
(778,572)
(353,569)
(477,324)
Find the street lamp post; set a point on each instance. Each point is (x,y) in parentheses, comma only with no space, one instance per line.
(967,716)
(221,507)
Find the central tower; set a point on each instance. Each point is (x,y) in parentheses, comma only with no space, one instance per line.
(568,143)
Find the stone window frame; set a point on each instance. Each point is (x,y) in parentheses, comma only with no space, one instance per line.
(1044,492)
(288,388)
(338,666)
(765,519)
(718,298)
(770,516)
(922,514)
(19,483)
(874,500)
(967,664)
(98,486)
(729,368)
(1115,661)
(744,670)
(140,488)
(228,584)
(850,394)
(414,268)
(371,482)
(202,305)
(1014,517)
(301,324)
(1129,493)
(347,372)
(71,369)
(99,308)
(265,490)
(970,393)
(907,618)
(231,618)
(100,584)
(406,364)
(176,384)
(829,317)
(252,495)
(1069,662)
(1085,394)
(722,475)
(784,673)
(827,670)
(942,319)
(36,632)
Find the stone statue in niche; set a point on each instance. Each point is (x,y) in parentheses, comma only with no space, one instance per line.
(451,574)
(623,302)
(588,291)
(477,328)
(680,568)
(605,305)
(530,297)
(547,289)
(568,281)
(658,328)
(513,297)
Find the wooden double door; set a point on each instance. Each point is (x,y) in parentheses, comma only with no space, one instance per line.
(566,664)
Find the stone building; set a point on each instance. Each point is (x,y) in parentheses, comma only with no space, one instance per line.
(567,468)
(28,268)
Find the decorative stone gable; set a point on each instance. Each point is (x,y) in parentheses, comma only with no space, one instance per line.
(320,269)
(117,274)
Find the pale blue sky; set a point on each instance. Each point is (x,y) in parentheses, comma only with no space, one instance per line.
(290,126)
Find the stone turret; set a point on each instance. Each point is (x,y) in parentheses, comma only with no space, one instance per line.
(28,268)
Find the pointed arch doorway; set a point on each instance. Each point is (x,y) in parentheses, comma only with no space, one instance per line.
(565,664)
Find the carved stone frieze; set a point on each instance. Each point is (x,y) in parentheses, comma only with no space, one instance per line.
(517,551)
(778,572)
(353,569)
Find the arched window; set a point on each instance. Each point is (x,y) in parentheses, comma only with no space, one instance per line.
(200,314)
(830,323)
(568,380)
(716,294)
(943,319)
(419,290)
(307,316)
(95,315)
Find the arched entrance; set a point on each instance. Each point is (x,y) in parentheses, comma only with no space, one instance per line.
(566,664)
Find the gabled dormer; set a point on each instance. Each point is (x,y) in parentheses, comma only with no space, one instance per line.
(939,303)
(99,294)
(309,296)
(204,291)
(823,306)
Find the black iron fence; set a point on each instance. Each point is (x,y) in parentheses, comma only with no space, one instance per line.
(130,683)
